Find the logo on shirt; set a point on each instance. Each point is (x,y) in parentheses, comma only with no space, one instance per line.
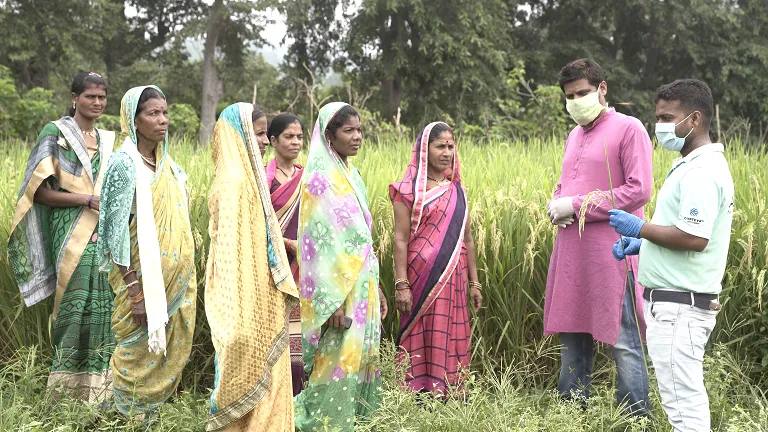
(693,219)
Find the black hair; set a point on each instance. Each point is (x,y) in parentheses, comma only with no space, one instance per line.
(258,112)
(693,95)
(581,69)
(82,81)
(148,94)
(437,130)
(280,123)
(340,118)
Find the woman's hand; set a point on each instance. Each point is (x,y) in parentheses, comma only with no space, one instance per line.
(94,204)
(337,319)
(139,313)
(138,309)
(477,298)
(291,246)
(404,300)
(383,304)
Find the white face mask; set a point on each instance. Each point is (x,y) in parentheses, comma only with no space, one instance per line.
(585,110)
(668,139)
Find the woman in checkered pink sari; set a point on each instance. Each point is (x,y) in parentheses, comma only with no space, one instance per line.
(434,263)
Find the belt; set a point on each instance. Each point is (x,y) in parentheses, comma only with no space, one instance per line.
(701,301)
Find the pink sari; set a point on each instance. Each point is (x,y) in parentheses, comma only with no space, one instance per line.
(436,335)
(285,201)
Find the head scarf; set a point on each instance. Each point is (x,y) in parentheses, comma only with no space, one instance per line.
(413,186)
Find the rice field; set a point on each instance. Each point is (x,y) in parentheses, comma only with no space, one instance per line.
(508,185)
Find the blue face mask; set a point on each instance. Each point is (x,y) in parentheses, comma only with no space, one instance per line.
(668,139)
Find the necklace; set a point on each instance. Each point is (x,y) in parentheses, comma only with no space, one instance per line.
(439,183)
(289,176)
(148,161)
(91,133)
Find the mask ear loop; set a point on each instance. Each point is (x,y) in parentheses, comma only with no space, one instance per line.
(691,131)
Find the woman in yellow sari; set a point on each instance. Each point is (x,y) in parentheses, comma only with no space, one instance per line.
(146,244)
(249,290)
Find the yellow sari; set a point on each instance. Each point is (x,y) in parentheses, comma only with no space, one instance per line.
(249,289)
(144,377)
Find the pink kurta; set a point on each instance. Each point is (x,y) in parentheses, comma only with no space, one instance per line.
(585,284)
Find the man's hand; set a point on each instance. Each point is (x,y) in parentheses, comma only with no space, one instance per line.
(625,224)
(562,223)
(626,246)
(560,209)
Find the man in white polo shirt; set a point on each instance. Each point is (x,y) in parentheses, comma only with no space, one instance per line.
(683,251)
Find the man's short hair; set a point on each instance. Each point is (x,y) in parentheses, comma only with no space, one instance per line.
(581,69)
(693,95)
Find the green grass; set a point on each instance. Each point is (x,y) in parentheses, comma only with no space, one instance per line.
(508,185)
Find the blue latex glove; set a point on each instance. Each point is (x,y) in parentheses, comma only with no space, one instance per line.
(625,247)
(626,224)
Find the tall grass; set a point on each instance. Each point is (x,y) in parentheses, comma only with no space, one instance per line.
(508,185)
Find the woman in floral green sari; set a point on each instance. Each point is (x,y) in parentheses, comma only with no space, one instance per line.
(341,303)
(52,247)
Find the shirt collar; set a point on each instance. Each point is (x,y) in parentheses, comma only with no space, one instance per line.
(707,148)
(603,117)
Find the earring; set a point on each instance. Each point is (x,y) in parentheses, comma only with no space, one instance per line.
(73,105)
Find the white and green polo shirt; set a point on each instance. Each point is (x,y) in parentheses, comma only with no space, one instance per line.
(697,198)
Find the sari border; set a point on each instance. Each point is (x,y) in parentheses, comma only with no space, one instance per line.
(249,401)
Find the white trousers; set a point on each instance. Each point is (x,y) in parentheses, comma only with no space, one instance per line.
(677,335)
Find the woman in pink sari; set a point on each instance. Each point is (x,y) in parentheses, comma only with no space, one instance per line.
(434,263)
(283,177)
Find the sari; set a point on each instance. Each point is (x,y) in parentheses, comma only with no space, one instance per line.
(436,335)
(52,251)
(338,267)
(249,290)
(285,201)
(144,224)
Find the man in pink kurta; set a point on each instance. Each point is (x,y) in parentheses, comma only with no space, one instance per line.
(589,294)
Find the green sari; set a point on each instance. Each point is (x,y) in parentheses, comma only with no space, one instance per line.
(52,251)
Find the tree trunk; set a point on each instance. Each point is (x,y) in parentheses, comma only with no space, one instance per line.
(212,85)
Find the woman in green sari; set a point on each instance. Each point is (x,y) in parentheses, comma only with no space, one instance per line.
(145,242)
(52,246)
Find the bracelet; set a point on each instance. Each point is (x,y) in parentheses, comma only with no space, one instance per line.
(129,272)
(89,201)
(402,286)
(136,282)
(476,285)
(399,281)
(137,298)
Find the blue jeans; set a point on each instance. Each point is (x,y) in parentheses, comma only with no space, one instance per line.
(578,352)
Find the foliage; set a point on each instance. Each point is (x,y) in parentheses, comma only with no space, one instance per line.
(183,121)
(430,58)
(23,115)
(109,122)
(496,399)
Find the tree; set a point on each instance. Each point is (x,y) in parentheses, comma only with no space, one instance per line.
(315,34)
(230,27)
(36,35)
(431,57)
